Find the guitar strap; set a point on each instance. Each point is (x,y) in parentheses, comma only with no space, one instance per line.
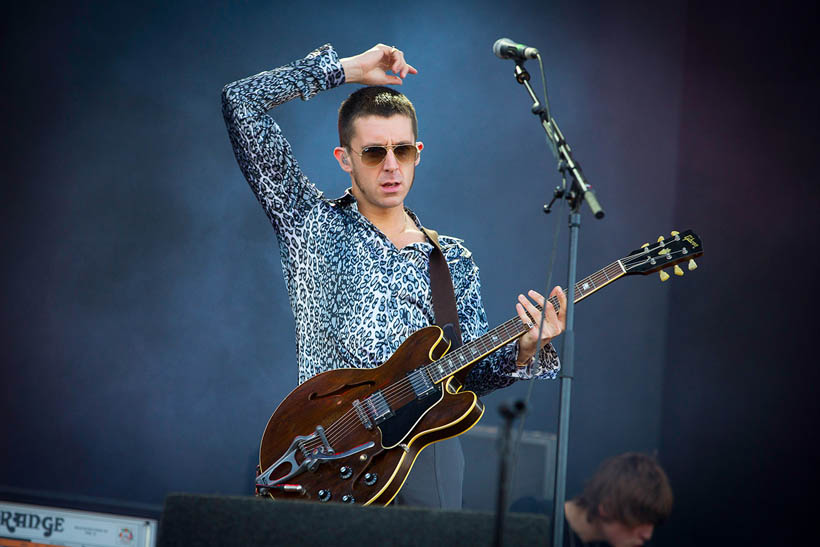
(444,301)
(444,298)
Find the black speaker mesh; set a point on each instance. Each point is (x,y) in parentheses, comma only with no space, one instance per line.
(199,520)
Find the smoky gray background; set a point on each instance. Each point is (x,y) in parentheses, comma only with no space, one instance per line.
(147,331)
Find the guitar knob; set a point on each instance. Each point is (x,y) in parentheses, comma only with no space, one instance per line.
(664,275)
(675,232)
(692,264)
(347,498)
(370,478)
(345,472)
(325,495)
(645,245)
(660,239)
(678,271)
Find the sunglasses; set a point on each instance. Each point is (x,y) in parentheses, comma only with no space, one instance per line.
(374,155)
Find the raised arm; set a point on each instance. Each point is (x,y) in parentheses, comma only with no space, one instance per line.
(263,153)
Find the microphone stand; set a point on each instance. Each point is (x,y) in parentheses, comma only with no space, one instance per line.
(576,194)
(509,415)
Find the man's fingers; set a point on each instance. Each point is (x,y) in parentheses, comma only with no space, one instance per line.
(384,58)
(537,297)
(560,317)
(562,301)
(398,61)
(546,306)
(552,322)
(399,65)
(522,314)
(531,309)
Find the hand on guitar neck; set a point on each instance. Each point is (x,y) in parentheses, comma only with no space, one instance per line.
(530,314)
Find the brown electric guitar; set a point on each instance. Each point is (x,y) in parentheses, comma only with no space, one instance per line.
(352,435)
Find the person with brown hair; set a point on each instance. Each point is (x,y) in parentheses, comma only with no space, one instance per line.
(621,504)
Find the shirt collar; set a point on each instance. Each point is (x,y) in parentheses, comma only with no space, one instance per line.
(348,202)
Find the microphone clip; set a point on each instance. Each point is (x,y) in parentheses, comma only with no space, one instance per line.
(521,74)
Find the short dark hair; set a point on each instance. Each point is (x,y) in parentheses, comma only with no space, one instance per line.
(373,101)
(632,488)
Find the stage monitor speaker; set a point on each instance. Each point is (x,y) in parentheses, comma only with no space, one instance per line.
(532,474)
(218,521)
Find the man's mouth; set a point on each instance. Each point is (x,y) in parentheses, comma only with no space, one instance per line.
(390,185)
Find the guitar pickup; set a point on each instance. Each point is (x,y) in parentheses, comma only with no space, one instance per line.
(421,382)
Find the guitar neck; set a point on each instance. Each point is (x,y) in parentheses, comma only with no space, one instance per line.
(513,329)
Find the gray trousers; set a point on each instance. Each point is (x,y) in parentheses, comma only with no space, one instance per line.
(436,478)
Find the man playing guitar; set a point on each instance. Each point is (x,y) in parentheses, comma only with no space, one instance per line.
(357,267)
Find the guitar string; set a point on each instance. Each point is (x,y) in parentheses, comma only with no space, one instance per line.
(349,422)
(399,392)
(392,396)
(350,419)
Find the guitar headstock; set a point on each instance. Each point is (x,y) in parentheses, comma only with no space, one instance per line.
(666,253)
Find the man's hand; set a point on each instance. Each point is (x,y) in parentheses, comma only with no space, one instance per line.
(370,67)
(553,325)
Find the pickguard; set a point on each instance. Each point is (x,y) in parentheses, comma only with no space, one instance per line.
(396,428)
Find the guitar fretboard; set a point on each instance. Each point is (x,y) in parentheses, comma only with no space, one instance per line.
(513,329)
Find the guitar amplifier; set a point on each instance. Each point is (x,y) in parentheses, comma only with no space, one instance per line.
(531,472)
(29,518)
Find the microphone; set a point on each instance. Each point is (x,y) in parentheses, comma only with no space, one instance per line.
(504,48)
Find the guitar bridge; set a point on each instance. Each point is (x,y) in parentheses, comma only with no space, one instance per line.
(377,407)
(363,417)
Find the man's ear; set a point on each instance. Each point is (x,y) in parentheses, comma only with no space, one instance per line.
(344,160)
(420,146)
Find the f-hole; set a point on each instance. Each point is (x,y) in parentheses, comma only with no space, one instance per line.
(336,392)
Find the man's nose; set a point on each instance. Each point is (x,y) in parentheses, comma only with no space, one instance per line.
(390,161)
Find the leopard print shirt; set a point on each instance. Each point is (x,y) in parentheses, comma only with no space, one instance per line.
(355,296)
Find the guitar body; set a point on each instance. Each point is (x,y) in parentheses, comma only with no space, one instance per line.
(317,445)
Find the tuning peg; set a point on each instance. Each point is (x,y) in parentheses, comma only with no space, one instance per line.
(664,275)
(674,233)
(660,238)
(645,245)
(692,264)
(677,270)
